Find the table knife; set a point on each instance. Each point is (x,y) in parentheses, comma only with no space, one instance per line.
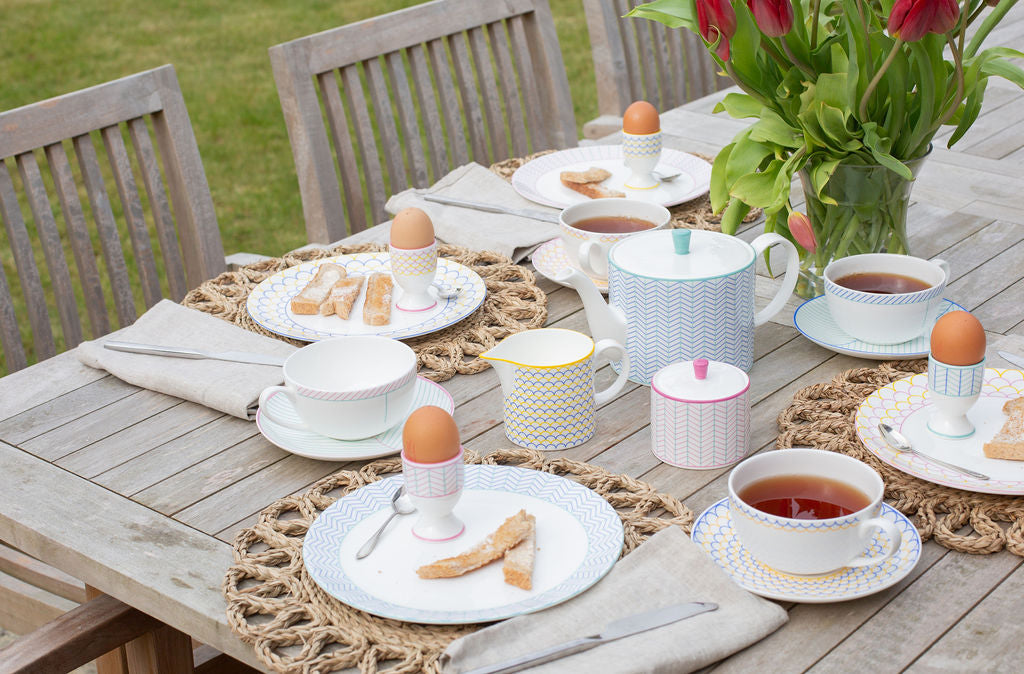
(617,629)
(178,352)
(1012,359)
(493,208)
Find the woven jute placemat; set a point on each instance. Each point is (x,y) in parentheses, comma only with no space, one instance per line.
(514,303)
(295,626)
(823,416)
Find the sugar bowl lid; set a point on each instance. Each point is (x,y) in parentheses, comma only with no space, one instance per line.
(681,255)
(700,381)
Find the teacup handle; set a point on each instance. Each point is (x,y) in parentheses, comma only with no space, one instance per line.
(865,529)
(944,266)
(616,386)
(290,394)
(788,283)
(586,252)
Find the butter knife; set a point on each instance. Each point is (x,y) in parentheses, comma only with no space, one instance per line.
(617,629)
(493,208)
(178,352)
(1011,359)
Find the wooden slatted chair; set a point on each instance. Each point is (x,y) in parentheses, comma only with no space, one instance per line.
(157,241)
(409,95)
(637,59)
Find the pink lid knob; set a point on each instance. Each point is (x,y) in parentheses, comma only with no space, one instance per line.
(700,368)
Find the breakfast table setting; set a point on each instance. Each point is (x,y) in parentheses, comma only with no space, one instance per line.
(571,412)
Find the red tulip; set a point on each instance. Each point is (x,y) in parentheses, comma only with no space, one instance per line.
(802,231)
(717,18)
(773,17)
(911,19)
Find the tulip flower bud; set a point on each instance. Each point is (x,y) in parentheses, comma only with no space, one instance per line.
(910,20)
(802,231)
(773,17)
(717,18)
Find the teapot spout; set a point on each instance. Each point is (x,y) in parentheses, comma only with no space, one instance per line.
(606,322)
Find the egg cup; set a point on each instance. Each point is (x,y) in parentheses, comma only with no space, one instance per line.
(435,488)
(640,154)
(414,270)
(952,391)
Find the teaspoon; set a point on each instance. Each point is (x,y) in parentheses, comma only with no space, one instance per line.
(898,442)
(666,176)
(396,509)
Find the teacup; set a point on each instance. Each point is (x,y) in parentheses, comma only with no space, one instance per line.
(885,318)
(588,250)
(347,388)
(801,545)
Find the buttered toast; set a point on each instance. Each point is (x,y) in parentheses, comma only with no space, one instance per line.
(512,531)
(1009,441)
(316,292)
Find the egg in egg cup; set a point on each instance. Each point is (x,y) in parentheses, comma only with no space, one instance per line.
(641,144)
(956,372)
(434,472)
(413,251)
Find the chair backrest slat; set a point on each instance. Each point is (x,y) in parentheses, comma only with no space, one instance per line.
(10,336)
(347,164)
(477,70)
(53,250)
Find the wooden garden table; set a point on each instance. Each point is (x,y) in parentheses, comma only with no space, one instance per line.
(139,494)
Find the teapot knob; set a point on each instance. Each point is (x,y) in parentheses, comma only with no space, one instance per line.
(700,368)
(681,241)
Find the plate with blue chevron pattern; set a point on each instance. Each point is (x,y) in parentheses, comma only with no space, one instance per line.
(714,533)
(579,537)
(814,322)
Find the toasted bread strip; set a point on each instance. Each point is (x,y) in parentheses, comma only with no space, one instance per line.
(587,183)
(518,566)
(344,294)
(509,534)
(1008,443)
(591,175)
(310,298)
(594,191)
(377,307)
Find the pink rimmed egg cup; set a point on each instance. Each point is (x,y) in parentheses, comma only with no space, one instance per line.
(414,270)
(434,489)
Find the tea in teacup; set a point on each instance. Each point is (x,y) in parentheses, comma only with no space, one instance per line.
(613,224)
(804,497)
(883,284)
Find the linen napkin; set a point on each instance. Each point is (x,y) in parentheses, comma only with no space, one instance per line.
(509,235)
(232,388)
(668,569)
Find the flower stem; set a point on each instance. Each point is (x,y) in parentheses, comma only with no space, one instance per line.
(873,84)
(806,69)
(959,95)
(773,51)
(815,9)
(753,93)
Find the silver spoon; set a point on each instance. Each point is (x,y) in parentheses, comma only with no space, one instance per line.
(446,293)
(397,509)
(898,442)
(665,176)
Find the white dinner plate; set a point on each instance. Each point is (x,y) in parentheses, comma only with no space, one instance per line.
(713,531)
(813,320)
(315,446)
(538,180)
(903,404)
(579,538)
(269,302)
(550,260)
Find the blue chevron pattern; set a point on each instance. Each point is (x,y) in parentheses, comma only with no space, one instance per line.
(700,435)
(954,380)
(670,321)
(322,543)
(551,407)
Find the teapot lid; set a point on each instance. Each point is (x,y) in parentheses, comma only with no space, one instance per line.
(700,381)
(681,255)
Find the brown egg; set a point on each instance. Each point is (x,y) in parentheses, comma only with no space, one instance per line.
(958,339)
(641,118)
(412,229)
(430,436)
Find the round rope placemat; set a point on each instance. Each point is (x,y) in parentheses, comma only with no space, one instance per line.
(823,415)
(295,626)
(514,303)
(694,214)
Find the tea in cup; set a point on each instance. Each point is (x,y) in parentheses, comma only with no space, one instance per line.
(809,511)
(883,298)
(590,228)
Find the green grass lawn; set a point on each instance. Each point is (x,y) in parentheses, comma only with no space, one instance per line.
(219,48)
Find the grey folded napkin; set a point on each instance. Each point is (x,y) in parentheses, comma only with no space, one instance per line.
(509,235)
(232,388)
(667,569)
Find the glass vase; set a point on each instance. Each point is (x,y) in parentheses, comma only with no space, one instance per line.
(869,215)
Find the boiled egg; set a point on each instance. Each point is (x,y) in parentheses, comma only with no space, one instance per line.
(641,118)
(958,339)
(412,229)
(430,436)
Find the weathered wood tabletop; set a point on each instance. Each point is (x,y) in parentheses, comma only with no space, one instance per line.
(139,494)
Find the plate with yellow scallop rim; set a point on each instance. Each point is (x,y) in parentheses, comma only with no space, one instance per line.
(268,303)
(904,405)
(713,531)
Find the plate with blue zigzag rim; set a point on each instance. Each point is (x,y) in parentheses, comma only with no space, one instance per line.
(713,531)
(578,538)
(814,322)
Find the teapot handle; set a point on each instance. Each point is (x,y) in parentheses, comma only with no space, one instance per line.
(616,386)
(788,283)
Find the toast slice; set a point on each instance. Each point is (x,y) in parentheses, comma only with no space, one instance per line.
(508,535)
(309,299)
(1008,443)
(344,294)
(518,566)
(377,307)
(588,182)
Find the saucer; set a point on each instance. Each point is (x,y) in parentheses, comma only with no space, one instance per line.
(551,260)
(814,321)
(315,446)
(714,533)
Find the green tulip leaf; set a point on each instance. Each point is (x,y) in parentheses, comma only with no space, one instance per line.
(969,112)
(672,13)
(747,156)
(1004,69)
(733,216)
(719,191)
(772,128)
(739,106)
(757,189)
